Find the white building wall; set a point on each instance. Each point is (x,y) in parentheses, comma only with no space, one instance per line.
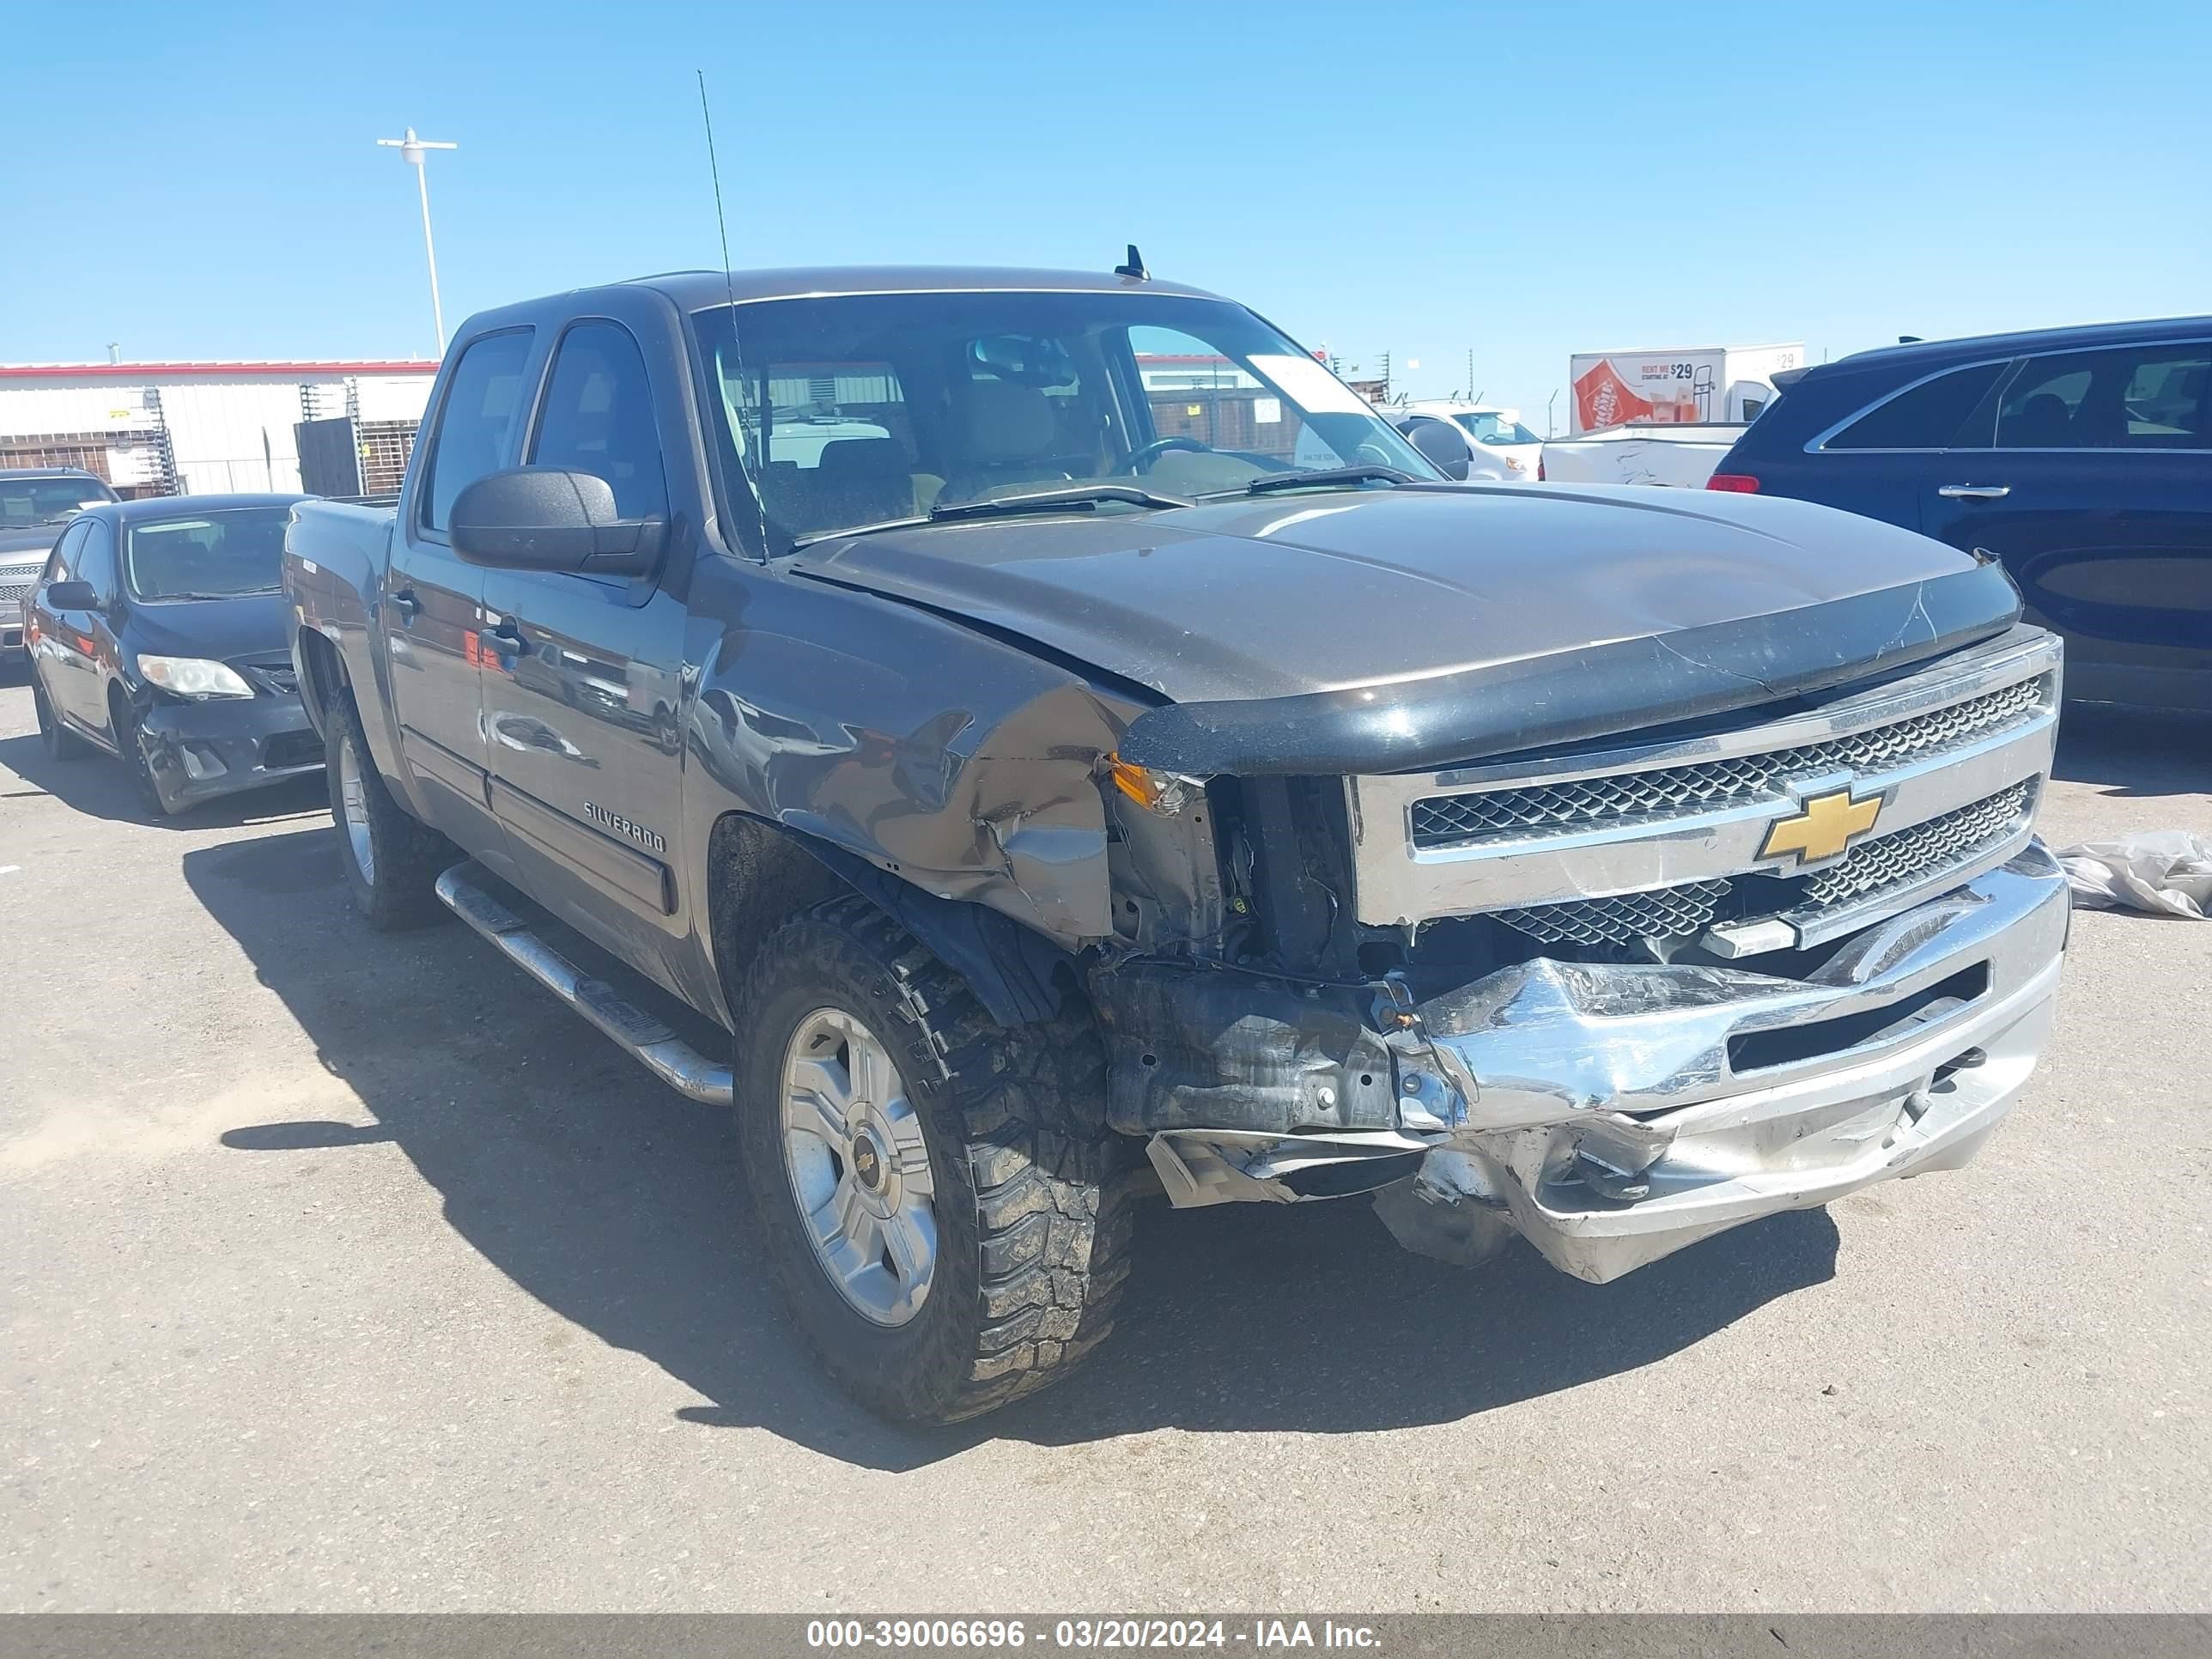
(226,432)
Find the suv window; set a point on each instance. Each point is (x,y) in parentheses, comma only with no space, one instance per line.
(479,417)
(2136,397)
(1927,416)
(598,418)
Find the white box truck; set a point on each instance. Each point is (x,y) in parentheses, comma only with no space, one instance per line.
(1675,385)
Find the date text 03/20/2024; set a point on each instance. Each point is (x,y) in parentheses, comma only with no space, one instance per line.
(987,1635)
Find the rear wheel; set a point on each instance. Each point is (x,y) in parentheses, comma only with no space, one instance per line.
(59,742)
(937,1196)
(391,863)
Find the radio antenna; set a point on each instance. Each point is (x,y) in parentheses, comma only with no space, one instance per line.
(736,353)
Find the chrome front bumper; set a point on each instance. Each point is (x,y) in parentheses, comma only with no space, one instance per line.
(1613,1115)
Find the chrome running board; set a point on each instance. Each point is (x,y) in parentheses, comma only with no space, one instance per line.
(653,1044)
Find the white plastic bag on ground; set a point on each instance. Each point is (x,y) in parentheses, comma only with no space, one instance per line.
(2165,872)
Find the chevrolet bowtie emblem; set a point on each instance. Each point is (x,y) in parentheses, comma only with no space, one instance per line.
(1824,829)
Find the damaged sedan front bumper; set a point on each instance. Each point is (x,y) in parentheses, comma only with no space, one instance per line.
(1612,1114)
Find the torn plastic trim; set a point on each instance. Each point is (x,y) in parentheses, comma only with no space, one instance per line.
(1199,1167)
(1569,696)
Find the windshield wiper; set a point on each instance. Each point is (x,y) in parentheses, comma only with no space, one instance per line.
(1036,501)
(1321,477)
(1039,501)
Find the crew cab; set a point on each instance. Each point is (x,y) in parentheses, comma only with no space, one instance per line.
(1054,809)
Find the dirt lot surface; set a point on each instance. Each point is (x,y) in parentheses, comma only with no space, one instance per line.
(345,1272)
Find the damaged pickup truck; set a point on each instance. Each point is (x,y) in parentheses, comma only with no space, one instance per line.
(1075,748)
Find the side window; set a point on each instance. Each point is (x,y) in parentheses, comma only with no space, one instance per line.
(478,418)
(1930,416)
(2136,397)
(95,560)
(61,563)
(598,418)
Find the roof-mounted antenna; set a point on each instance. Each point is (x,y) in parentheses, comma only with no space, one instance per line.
(737,352)
(1134,267)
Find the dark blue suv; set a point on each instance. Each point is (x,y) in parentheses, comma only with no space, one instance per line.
(2081,457)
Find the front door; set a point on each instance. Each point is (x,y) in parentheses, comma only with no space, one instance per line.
(583,677)
(433,601)
(2097,495)
(67,660)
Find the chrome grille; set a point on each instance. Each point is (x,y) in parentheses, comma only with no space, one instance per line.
(1905,858)
(1454,820)
(11,592)
(1663,912)
(1909,855)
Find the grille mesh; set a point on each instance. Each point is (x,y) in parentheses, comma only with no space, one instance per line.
(13,590)
(1662,913)
(1892,860)
(1452,820)
(1906,857)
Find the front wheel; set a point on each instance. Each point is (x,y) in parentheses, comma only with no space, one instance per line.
(937,1196)
(391,863)
(123,724)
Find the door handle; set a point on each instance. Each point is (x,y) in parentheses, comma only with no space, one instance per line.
(405,603)
(508,635)
(1974,492)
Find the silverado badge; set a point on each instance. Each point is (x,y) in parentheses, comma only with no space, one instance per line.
(1824,829)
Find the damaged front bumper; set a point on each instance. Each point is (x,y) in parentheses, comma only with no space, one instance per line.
(201,749)
(1613,1113)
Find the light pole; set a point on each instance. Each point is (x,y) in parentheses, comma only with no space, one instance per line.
(410,150)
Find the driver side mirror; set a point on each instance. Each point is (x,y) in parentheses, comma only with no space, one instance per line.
(1442,446)
(546,518)
(71,596)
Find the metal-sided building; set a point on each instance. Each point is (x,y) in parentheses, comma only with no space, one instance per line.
(205,427)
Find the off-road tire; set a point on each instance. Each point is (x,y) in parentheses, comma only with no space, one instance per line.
(123,724)
(1031,1189)
(407,857)
(57,740)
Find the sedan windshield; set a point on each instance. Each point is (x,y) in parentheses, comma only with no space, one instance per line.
(210,556)
(1494,429)
(46,501)
(865,409)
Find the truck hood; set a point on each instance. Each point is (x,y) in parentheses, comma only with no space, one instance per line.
(1397,607)
(25,544)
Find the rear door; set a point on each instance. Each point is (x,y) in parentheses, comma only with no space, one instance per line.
(1877,459)
(434,599)
(584,680)
(2096,492)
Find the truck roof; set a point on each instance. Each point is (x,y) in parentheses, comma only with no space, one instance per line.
(694,290)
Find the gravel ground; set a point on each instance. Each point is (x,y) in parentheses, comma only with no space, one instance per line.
(351,1273)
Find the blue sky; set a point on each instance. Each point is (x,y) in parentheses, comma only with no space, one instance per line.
(1522,181)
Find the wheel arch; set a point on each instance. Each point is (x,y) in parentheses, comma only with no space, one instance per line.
(322,675)
(761,874)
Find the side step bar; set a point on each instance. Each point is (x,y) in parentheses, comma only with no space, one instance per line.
(656,1047)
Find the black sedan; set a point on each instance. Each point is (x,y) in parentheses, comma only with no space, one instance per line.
(156,632)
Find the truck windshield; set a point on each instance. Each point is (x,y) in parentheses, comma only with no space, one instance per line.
(861,409)
(1490,428)
(210,556)
(47,500)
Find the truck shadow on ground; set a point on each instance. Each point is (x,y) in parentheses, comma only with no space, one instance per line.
(98,787)
(615,1203)
(2136,753)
